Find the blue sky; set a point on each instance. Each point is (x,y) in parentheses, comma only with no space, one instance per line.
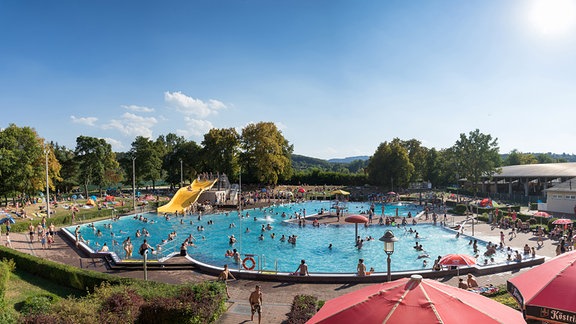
(337,77)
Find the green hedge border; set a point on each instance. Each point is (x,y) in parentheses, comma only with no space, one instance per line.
(59,273)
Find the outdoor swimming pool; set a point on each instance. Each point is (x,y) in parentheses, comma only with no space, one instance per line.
(272,254)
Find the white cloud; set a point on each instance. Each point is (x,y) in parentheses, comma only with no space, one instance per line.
(138,108)
(190,106)
(117,146)
(133,125)
(90,121)
(195,127)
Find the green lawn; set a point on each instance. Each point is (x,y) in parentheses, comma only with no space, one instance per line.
(22,285)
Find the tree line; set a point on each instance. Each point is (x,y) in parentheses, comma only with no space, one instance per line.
(259,154)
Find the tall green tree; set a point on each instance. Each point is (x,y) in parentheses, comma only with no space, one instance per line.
(96,161)
(390,165)
(172,147)
(477,156)
(417,155)
(149,157)
(266,153)
(221,151)
(23,162)
(70,169)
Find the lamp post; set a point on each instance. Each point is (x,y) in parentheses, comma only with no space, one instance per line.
(388,238)
(134,183)
(181,174)
(47,151)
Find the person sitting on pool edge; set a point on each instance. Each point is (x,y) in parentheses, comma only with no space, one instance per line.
(361,268)
(302,269)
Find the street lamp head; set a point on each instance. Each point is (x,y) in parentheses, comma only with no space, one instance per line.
(388,238)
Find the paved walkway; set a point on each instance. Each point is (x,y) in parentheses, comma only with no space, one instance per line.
(278,296)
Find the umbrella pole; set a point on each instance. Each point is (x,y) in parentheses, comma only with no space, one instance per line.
(356,237)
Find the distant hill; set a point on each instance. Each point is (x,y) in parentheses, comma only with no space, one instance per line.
(350,159)
(301,162)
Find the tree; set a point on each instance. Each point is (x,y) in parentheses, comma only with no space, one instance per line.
(221,149)
(69,171)
(476,156)
(266,153)
(148,159)
(95,159)
(519,158)
(417,156)
(390,165)
(435,172)
(23,162)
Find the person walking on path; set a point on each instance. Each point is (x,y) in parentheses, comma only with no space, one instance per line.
(256,303)
(224,278)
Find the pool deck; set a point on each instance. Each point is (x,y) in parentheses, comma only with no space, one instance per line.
(278,295)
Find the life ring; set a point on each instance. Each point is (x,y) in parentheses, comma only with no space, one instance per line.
(251,259)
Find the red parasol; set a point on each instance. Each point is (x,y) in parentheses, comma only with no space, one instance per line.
(301,190)
(414,300)
(391,193)
(356,219)
(562,221)
(542,214)
(457,260)
(546,292)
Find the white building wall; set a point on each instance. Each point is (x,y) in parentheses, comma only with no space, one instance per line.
(561,201)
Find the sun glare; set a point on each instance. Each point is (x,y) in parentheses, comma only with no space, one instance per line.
(553,17)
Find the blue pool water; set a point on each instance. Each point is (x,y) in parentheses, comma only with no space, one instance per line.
(312,242)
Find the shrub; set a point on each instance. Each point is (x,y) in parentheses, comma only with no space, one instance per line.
(59,273)
(460,209)
(77,310)
(123,306)
(199,303)
(4,276)
(42,319)
(8,315)
(303,308)
(38,304)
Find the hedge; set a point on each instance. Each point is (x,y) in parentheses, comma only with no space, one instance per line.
(61,274)
(4,276)
(303,308)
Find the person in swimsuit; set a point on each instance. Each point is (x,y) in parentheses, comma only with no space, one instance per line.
(256,303)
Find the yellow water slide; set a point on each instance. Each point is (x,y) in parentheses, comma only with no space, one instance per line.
(186,196)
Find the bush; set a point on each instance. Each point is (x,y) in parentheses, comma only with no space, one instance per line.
(199,303)
(38,304)
(123,306)
(59,273)
(460,209)
(4,276)
(42,319)
(77,310)
(303,308)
